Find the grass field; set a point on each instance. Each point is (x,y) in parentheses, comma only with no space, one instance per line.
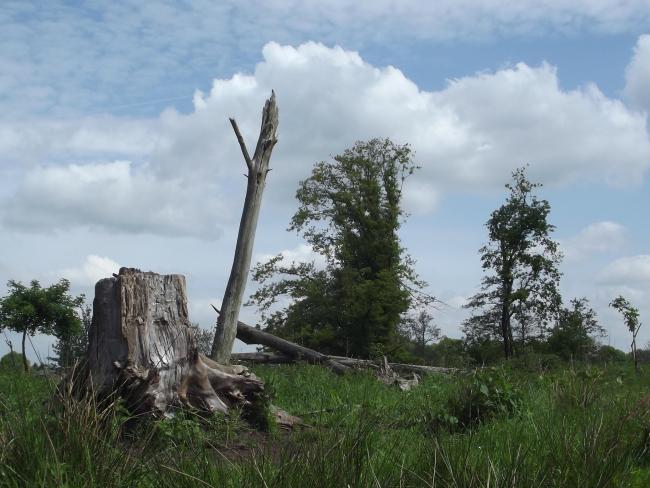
(573,427)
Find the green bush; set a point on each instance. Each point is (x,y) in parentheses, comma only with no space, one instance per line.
(485,395)
(12,361)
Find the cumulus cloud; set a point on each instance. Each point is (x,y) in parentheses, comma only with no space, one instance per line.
(93,269)
(637,75)
(595,238)
(630,271)
(64,58)
(111,196)
(467,136)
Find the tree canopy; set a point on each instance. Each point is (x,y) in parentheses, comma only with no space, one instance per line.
(32,309)
(349,212)
(519,293)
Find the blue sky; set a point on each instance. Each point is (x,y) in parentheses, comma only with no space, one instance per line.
(115,148)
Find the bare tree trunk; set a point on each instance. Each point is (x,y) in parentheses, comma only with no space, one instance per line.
(25,363)
(141,349)
(258,168)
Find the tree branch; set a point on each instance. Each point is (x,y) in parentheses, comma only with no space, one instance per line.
(242,144)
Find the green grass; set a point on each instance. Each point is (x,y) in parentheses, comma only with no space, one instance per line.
(573,428)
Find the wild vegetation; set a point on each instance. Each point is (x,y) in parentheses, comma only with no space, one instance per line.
(518,425)
(536,399)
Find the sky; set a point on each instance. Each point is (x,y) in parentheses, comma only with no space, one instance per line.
(116,150)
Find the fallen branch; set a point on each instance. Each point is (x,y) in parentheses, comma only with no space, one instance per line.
(278,358)
(251,335)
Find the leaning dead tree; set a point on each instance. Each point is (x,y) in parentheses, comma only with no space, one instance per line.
(258,168)
(141,349)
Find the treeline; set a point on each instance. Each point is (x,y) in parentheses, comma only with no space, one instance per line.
(360,295)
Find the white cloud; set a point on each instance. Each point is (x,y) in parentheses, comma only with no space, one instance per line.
(467,136)
(93,269)
(595,238)
(637,75)
(630,271)
(303,253)
(114,54)
(111,196)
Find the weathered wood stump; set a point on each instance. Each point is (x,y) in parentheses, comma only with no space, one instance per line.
(141,348)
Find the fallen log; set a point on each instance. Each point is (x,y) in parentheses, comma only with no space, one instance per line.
(251,335)
(278,358)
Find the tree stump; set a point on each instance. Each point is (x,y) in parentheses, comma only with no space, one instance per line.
(141,348)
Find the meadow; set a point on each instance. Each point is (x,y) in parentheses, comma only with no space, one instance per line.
(520,425)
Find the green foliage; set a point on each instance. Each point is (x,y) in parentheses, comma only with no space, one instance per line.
(349,213)
(485,395)
(12,361)
(362,434)
(576,331)
(631,318)
(72,344)
(204,338)
(33,309)
(520,294)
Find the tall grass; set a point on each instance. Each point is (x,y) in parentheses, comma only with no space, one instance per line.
(574,428)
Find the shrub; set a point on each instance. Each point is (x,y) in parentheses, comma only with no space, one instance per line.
(485,395)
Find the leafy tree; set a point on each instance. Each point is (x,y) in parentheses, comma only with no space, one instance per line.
(12,361)
(204,339)
(72,343)
(631,319)
(576,331)
(519,295)
(33,309)
(421,329)
(349,212)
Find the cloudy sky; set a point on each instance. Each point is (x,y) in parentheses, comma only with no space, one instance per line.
(116,150)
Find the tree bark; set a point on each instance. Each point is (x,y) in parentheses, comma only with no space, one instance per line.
(25,364)
(141,349)
(226,328)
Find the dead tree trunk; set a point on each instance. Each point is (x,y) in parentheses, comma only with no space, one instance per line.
(258,168)
(251,335)
(141,348)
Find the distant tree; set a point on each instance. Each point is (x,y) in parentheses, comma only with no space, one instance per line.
(11,361)
(72,343)
(449,352)
(349,212)
(33,309)
(576,331)
(631,319)
(204,339)
(420,329)
(519,296)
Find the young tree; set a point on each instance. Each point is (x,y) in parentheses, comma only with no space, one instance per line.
(71,344)
(349,212)
(203,338)
(258,168)
(421,329)
(576,331)
(522,261)
(631,319)
(33,309)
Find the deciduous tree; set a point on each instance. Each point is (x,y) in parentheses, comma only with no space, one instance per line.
(32,309)
(519,293)
(631,318)
(349,212)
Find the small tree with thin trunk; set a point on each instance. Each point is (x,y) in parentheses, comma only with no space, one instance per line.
(31,309)
(631,319)
(258,168)
(521,264)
